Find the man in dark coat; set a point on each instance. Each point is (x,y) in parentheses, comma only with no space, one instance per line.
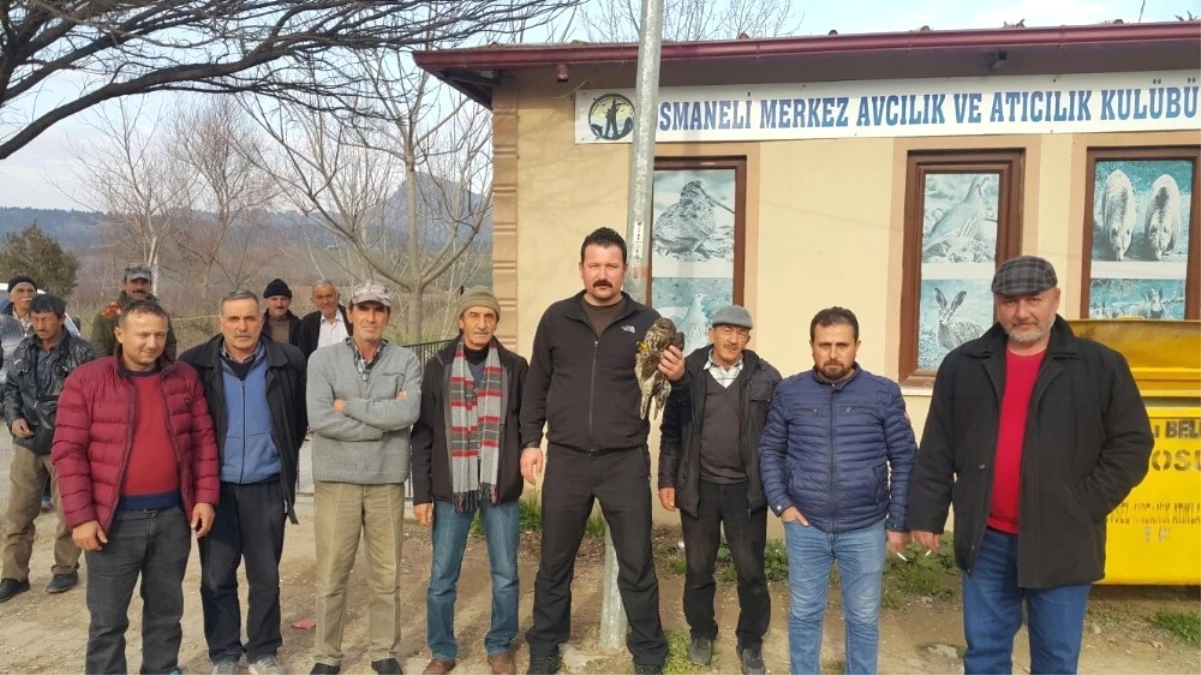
(281,324)
(709,470)
(325,325)
(467,458)
(256,395)
(1034,435)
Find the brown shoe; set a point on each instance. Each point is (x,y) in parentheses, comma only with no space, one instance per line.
(439,667)
(503,664)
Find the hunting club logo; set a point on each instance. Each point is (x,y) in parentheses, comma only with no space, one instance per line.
(611,117)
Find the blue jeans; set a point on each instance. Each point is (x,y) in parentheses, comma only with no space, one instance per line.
(860,556)
(450,539)
(992,614)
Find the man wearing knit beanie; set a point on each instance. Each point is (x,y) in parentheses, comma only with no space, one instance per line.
(467,458)
(282,324)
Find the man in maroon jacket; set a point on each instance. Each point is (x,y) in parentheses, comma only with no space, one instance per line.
(137,464)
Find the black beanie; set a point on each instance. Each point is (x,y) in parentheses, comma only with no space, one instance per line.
(22,279)
(277,287)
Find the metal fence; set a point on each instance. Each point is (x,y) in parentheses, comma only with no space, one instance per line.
(424,350)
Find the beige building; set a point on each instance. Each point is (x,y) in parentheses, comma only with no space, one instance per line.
(885,173)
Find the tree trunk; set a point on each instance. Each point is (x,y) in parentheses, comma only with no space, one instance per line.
(414,315)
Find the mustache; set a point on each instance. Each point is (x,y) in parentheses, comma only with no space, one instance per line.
(602,284)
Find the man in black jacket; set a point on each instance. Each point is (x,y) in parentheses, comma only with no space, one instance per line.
(466,458)
(709,470)
(282,325)
(582,387)
(325,325)
(255,389)
(1035,436)
(38,367)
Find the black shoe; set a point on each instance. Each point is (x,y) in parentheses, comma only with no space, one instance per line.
(387,667)
(325,669)
(648,669)
(700,651)
(751,659)
(544,665)
(63,582)
(11,588)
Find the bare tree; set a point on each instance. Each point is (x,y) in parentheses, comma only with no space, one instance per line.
(408,190)
(691,20)
(220,143)
(143,188)
(268,47)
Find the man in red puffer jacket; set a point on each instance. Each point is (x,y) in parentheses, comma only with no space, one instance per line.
(137,464)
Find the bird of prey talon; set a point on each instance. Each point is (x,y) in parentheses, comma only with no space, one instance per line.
(653,384)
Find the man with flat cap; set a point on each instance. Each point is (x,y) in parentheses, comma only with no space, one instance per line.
(709,470)
(1034,435)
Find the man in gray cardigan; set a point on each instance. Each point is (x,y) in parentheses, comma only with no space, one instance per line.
(363,396)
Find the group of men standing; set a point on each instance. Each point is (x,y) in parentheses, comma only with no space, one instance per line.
(1034,434)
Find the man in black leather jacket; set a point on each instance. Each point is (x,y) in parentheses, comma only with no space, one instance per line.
(36,372)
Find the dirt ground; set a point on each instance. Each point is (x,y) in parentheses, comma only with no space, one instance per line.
(42,633)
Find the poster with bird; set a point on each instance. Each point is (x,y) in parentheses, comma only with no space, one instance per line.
(692,247)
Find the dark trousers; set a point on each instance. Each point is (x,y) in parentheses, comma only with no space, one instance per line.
(725,507)
(250,527)
(620,480)
(154,545)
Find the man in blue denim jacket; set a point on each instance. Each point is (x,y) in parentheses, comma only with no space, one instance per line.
(831,438)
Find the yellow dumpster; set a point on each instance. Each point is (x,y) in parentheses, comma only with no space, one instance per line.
(1154,537)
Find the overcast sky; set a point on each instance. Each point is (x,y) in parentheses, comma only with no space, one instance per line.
(42,173)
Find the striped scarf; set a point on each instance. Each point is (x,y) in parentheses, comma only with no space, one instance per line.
(475,430)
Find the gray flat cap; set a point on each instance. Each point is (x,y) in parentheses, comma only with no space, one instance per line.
(1023,275)
(732,315)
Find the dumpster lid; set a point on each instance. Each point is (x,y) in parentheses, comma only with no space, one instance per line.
(1164,355)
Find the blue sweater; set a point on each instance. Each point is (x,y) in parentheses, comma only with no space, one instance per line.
(249,454)
(827,450)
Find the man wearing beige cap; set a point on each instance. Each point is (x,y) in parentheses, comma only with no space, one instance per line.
(362,398)
(467,458)
(1034,435)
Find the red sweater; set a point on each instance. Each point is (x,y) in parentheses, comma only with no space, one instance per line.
(1020,374)
(153,468)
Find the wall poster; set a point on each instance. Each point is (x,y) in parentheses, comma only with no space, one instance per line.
(697,219)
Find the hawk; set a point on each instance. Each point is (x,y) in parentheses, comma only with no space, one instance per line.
(653,385)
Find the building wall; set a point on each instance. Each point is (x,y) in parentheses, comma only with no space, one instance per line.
(824,222)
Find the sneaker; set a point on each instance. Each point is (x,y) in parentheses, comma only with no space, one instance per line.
(63,582)
(325,669)
(544,665)
(751,659)
(266,665)
(648,669)
(11,588)
(700,651)
(225,668)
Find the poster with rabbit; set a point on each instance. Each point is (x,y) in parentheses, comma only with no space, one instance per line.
(1140,238)
(959,254)
(692,247)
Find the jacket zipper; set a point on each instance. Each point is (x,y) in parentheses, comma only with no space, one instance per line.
(831,427)
(242,469)
(592,392)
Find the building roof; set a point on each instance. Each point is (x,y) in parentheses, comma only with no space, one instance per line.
(476,71)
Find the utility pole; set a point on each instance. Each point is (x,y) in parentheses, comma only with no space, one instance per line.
(638,238)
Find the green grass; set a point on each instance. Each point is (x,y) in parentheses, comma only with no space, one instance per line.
(934,575)
(1186,626)
(677,655)
(834,666)
(596,524)
(529,518)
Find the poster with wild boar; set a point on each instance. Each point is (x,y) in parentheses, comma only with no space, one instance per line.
(959,256)
(1140,238)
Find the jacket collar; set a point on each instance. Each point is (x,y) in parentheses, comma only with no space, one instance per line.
(856,371)
(575,309)
(696,360)
(446,355)
(209,355)
(1063,342)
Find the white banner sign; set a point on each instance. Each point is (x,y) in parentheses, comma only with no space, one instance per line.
(962,106)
